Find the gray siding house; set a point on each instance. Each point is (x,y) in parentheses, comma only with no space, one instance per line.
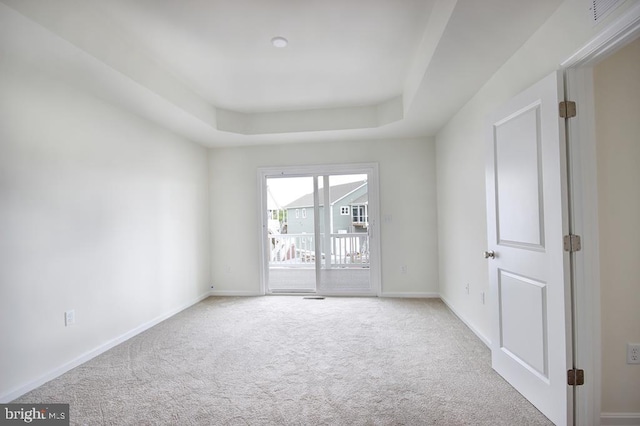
(349,210)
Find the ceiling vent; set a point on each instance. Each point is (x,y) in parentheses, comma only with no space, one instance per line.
(601,8)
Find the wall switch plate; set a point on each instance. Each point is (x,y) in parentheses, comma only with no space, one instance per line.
(466,287)
(69,318)
(482,298)
(403,269)
(633,353)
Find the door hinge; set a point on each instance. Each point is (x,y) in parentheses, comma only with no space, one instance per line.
(575,377)
(572,243)
(567,109)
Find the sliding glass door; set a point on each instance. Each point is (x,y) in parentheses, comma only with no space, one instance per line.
(318,231)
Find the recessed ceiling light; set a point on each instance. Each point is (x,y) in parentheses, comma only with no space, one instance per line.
(279,41)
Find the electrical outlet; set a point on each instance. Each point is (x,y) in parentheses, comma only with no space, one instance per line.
(482,297)
(633,353)
(69,318)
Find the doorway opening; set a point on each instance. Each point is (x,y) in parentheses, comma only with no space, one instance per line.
(318,227)
(584,202)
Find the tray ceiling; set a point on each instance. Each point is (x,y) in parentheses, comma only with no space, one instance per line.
(206,69)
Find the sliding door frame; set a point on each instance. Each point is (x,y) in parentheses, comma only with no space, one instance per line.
(371,169)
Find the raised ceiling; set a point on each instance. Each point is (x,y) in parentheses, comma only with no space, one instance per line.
(206,69)
(222,48)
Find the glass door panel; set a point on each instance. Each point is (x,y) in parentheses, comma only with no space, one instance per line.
(290,235)
(344,234)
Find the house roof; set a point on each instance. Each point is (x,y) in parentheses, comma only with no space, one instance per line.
(337,193)
(363,199)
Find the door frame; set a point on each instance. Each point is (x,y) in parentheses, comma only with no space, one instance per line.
(371,169)
(581,142)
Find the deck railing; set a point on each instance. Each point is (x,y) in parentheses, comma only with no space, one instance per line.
(350,250)
(292,250)
(298,250)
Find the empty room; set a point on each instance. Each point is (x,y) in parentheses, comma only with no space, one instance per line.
(417,212)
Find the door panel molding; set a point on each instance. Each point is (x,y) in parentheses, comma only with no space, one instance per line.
(529,218)
(528,306)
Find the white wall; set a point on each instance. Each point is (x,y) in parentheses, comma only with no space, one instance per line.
(407,193)
(617,106)
(101,212)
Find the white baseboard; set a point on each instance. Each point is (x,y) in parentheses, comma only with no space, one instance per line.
(477,332)
(21,390)
(422,295)
(232,293)
(620,419)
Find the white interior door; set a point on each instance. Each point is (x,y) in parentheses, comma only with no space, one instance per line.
(528,268)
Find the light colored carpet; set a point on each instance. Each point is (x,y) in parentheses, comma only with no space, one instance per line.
(290,361)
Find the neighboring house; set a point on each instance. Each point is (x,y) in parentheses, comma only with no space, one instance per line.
(349,210)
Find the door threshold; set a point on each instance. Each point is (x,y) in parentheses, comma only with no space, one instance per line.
(291,293)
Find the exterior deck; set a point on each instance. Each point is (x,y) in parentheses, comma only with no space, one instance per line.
(292,263)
